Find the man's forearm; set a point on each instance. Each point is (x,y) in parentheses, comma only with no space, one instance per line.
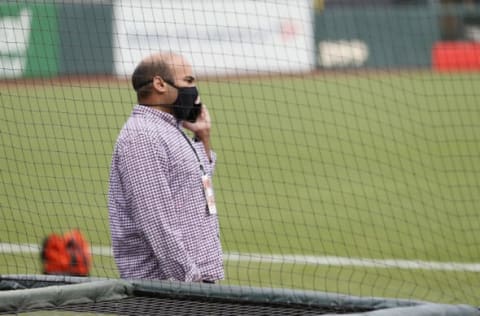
(206,146)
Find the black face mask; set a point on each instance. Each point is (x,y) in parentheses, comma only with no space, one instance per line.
(184,107)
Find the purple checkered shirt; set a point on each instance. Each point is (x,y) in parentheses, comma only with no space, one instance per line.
(159,222)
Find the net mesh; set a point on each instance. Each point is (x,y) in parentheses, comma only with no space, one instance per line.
(186,306)
(347,135)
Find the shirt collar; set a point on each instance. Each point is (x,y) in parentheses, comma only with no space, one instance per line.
(156,116)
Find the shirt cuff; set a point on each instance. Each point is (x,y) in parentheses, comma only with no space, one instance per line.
(193,275)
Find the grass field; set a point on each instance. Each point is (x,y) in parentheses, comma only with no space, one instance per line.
(367,165)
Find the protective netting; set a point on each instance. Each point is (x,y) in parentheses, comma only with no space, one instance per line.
(346,134)
(185,306)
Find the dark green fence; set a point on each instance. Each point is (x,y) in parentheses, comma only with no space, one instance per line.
(380,36)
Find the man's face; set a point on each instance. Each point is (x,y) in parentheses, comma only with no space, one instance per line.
(182,92)
(182,74)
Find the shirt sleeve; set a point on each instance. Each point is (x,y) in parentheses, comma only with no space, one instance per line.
(144,176)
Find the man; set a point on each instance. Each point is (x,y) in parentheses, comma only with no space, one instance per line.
(161,224)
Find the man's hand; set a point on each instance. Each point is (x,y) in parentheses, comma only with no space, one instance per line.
(201,129)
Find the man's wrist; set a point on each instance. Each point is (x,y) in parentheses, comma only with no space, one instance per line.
(201,137)
(205,140)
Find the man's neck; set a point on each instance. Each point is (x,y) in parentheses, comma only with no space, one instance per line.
(155,105)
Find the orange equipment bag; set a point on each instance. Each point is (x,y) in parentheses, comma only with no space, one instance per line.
(67,255)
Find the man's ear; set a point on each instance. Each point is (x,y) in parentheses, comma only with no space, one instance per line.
(159,84)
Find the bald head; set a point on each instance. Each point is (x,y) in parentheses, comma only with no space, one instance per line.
(168,66)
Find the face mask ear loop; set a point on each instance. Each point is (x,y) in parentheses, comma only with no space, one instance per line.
(171,83)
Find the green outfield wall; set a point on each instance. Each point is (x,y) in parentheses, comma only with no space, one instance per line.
(45,40)
(29,40)
(389,36)
(77,37)
(85,31)
(385,36)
